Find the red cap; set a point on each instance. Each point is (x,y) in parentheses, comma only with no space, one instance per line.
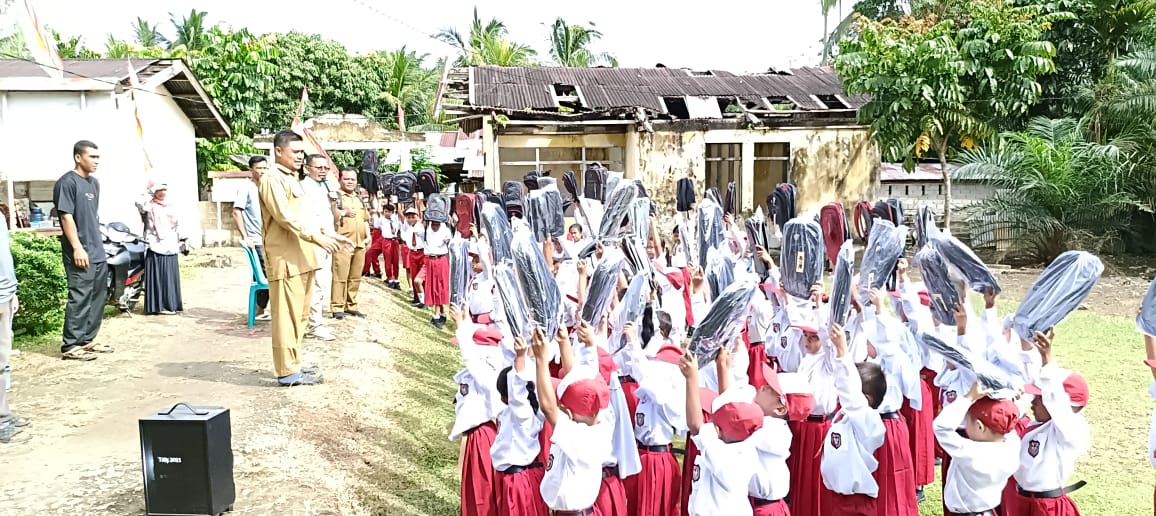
(585,397)
(799,406)
(706,399)
(772,379)
(998,415)
(736,421)
(669,354)
(488,336)
(606,365)
(1075,386)
(924,298)
(806,329)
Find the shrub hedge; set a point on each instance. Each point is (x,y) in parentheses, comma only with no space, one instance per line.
(43,287)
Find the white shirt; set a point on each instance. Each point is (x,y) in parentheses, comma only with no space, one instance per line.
(661,410)
(761,327)
(1049,451)
(819,370)
(885,333)
(721,476)
(413,236)
(437,242)
(478,401)
(482,294)
(390,226)
(319,210)
(979,470)
(772,442)
(574,467)
(848,464)
(518,426)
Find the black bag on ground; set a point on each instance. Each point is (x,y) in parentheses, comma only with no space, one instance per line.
(427,182)
(685,194)
(594,182)
(437,208)
(405,184)
(513,199)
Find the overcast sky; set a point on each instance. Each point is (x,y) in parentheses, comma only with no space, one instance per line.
(734,35)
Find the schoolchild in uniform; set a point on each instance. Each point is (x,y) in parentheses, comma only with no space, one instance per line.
(516,446)
(706,400)
(818,366)
(372,267)
(476,406)
(482,291)
(413,235)
(983,457)
(913,307)
(579,441)
(723,471)
(785,397)
(1051,446)
(435,276)
(849,463)
(390,245)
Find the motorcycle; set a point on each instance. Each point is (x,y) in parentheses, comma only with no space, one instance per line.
(126,265)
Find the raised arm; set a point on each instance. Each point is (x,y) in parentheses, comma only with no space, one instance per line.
(547,400)
(689,367)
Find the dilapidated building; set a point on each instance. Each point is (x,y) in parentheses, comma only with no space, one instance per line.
(661,124)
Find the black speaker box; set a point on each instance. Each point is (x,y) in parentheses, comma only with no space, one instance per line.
(187,460)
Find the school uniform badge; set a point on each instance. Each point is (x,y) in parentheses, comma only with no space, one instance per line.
(550,462)
(464,389)
(951,396)
(639,419)
(1033,448)
(836,440)
(694,473)
(783,342)
(775,327)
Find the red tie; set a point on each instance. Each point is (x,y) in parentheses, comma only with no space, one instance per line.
(413,240)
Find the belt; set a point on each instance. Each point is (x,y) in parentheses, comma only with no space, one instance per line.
(518,469)
(627,379)
(434,255)
(660,448)
(989,512)
(759,502)
(753,344)
(889,415)
(609,471)
(1053,493)
(819,418)
(583,512)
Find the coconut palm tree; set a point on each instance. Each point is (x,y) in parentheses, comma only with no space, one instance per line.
(408,83)
(147,34)
(118,49)
(570,45)
(487,43)
(190,30)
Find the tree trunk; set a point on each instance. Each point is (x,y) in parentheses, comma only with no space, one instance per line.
(942,151)
(400,116)
(825,35)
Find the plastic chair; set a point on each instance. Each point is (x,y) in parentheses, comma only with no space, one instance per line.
(260,282)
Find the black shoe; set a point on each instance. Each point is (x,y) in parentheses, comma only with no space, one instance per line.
(919,497)
(420,306)
(394,285)
(439,322)
(311,370)
(339,315)
(355,313)
(415,303)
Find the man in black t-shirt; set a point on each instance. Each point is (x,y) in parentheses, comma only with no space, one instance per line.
(77,199)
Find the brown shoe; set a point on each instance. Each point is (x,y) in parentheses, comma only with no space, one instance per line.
(98,348)
(78,353)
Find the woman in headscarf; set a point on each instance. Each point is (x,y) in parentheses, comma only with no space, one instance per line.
(162,270)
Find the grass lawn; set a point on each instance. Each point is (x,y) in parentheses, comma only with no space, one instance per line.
(1106,350)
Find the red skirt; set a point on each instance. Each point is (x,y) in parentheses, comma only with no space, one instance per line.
(479,488)
(629,390)
(895,474)
(544,442)
(688,475)
(1024,506)
(520,494)
(836,504)
(922,438)
(758,356)
(611,496)
(437,280)
(655,490)
(778,508)
(806,453)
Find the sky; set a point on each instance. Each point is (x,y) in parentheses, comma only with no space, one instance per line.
(736,35)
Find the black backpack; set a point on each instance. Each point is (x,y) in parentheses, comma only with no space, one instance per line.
(712,193)
(531,180)
(890,210)
(404,185)
(729,199)
(512,198)
(684,193)
(369,162)
(569,189)
(437,208)
(594,182)
(781,204)
(427,182)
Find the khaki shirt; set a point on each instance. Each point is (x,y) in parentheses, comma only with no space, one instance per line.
(289,245)
(354,227)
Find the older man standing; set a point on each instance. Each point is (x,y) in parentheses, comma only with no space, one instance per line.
(352,223)
(320,211)
(290,256)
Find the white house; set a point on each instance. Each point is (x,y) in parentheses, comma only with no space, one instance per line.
(42,117)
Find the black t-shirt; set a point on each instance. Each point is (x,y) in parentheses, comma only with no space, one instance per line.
(80,198)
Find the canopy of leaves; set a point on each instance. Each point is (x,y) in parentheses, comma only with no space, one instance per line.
(570,45)
(487,44)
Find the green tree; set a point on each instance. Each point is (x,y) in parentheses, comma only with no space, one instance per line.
(487,44)
(570,45)
(147,34)
(119,49)
(933,88)
(190,30)
(72,47)
(407,83)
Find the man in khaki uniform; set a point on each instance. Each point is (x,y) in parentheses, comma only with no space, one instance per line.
(290,258)
(352,223)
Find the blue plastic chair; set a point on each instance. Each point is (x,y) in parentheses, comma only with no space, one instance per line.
(260,282)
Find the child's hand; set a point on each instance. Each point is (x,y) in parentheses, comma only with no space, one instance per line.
(901,267)
(816,293)
(581,265)
(520,346)
(630,331)
(838,339)
(585,334)
(961,318)
(876,297)
(977,391)
(458,315)
(1044,344)
(724,359)
(989,296)
(562,335)
(538,340)
(689,367)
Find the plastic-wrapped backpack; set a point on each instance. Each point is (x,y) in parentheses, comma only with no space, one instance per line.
(802,257)
(721,323)
(1056,293)
(881,257)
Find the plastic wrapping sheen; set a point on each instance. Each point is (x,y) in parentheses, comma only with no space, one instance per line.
(640,219)
(841,287)
(710,231)
(884,247)
(543,299)
(720,271)
(633,305)
(989,375)
(616,210)
(603,286)
(803,255)
(1056,293)
(722,322)
(940,287)
(460,266)
(544,209)
(965,263)
(513,303)
(756,227)
(924,226)
(498,231)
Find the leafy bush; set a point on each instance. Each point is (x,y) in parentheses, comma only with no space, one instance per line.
(43,287)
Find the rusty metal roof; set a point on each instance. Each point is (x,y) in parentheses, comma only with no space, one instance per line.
(607,88)
(179,81)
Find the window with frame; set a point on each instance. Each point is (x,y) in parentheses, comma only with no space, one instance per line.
(724,164)
(772,166)
(516,162)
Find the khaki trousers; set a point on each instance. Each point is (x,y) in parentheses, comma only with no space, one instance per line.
(289,302)
(346,280)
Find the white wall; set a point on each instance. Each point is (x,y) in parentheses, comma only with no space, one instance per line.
(37,131)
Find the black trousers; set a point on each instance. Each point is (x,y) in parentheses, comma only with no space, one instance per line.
(262,295)
(87,292)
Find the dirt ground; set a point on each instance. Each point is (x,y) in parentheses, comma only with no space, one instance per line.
(296,450)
